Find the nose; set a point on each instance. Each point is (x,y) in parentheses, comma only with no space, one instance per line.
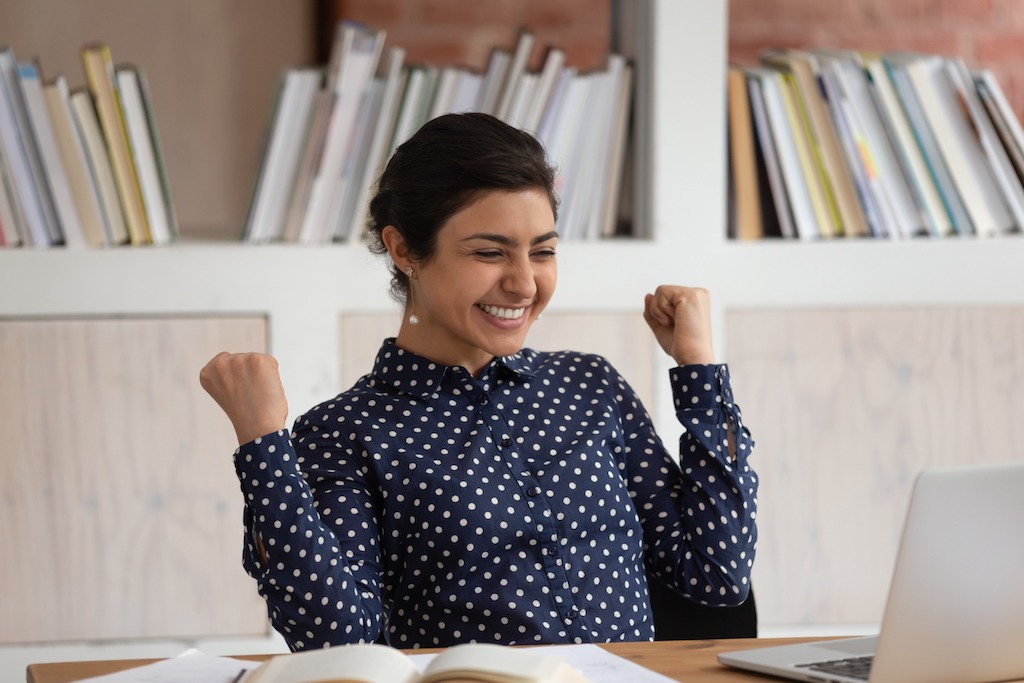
(520,280)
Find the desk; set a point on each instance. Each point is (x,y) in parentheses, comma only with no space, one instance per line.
(692,661)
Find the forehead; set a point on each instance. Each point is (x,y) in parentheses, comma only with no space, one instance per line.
(520,213)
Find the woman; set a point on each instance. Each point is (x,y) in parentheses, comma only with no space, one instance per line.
(469,488)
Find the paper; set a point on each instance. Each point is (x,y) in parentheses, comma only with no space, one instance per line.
(192,666)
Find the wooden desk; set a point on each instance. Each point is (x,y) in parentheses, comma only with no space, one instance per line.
(692,661)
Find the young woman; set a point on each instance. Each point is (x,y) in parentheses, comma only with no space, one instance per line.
(471,489)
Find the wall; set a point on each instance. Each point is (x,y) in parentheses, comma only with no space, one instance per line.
(459,32)
(986,33)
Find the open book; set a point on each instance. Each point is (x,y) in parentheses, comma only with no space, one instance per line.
(371,663)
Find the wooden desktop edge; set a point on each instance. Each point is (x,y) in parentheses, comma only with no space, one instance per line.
(692,661)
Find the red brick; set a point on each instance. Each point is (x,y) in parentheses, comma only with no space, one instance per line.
(462,13)
(568,15)
(884,13)
(956,12)
(994,48)
(371,12)
(819,11)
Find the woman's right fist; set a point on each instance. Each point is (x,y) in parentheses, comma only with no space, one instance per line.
(247,387)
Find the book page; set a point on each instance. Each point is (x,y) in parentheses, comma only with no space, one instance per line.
(362,663)
(593,663)
(498,663)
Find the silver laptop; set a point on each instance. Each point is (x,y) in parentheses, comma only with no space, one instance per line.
(955,611)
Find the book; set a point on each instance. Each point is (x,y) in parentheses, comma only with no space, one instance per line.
(554,60)
(28,194)
(412,108)
(988,137)
(1003,117)
(837,180)
(742,159)
(99,75)
(605,146)
(10,232)
(143,145)
(960,145)
(494,77)
(466,92)
(373,663)
(68,227)
(290,121)
(76,164)
(88,125)
(513,75)
(922,181)
(817,189)
(360,53)
(391,76)
(887,179)
(616,164)
(895,63)
(804,223)
(775,204)
(444,93)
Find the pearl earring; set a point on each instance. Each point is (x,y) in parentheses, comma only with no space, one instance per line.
(413,319)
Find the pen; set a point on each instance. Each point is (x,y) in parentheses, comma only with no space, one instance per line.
(237,678)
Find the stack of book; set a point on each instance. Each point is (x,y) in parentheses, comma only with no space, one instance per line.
(333,129)
(827,143)
(80,167)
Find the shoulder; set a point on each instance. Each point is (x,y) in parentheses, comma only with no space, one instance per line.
(569,364)
(357,399)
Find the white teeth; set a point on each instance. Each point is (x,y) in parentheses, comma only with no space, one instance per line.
(503,313)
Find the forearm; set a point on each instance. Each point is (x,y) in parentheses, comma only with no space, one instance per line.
(318,590)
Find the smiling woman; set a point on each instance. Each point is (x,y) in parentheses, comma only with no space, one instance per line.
(471,489)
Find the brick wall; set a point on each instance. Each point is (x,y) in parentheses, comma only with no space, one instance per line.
(464,32)
(986,33)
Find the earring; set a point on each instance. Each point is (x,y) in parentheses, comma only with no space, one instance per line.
(413,319)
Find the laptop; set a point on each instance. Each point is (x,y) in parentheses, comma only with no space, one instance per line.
(955,610)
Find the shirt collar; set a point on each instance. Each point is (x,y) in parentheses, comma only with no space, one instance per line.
(413,374)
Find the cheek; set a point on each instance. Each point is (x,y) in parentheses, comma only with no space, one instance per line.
(547,279)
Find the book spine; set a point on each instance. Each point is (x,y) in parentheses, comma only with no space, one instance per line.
(99,74)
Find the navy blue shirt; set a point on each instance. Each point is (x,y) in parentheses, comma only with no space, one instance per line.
(523,506)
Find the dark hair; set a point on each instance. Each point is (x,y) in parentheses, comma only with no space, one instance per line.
(448,164)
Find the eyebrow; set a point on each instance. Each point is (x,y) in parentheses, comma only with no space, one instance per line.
(508,241)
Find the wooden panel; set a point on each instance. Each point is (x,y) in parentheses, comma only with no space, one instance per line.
(120,514)
(212,66)
(623,338)
(846,407)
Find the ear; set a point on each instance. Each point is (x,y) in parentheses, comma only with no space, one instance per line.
(396,246)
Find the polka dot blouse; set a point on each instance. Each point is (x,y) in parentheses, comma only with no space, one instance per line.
(526,506)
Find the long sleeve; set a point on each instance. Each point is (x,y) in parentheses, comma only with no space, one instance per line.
(699,515)
(315,584)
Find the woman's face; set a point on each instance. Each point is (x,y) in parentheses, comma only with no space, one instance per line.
(492,273)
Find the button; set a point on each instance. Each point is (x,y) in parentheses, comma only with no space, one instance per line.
(482,399)
(571,613)
(506,441)
(533,491)
(549,550)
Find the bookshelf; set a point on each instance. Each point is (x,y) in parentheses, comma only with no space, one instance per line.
(319,306)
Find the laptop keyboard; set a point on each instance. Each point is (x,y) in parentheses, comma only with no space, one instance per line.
(851,667)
